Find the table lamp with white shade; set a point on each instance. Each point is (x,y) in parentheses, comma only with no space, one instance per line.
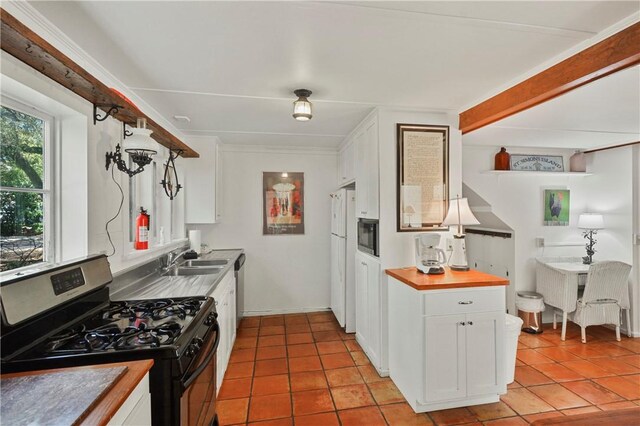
(459,214)
(590,222)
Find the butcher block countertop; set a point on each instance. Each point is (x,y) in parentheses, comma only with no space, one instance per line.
(88,395)
(449,280)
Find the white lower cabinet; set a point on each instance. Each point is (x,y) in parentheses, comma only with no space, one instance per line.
(441,360)
(225,300)
(136,409)
(371,311)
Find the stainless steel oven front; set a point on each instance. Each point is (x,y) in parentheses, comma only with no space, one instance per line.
(198,399)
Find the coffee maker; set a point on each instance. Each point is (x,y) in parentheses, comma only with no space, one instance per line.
(429,258)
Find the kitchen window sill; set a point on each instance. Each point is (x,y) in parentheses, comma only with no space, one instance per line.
(136,254)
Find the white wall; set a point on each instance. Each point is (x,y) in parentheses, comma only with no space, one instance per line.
(635,294)
(518,201)
(397,248)
(284,273)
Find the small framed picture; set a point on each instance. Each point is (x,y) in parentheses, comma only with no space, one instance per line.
(556,207)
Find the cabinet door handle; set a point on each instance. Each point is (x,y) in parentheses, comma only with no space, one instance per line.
(467,302)
(461,323)
(363,212)
(363,263)
(470,322)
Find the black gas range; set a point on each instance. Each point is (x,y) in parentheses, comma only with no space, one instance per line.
(62,317)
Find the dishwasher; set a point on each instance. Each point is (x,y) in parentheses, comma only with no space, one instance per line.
(239,272)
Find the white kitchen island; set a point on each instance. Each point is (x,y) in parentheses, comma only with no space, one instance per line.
(446,337)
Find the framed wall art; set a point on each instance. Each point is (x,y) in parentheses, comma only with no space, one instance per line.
(556,207)
(283,203)
(423,177)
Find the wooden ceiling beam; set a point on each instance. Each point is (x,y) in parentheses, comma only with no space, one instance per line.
(615,53)
(19,41)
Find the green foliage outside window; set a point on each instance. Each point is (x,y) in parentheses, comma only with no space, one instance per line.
(22,138)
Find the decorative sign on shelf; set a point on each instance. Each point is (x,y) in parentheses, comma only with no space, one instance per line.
(537,163)
(423,177)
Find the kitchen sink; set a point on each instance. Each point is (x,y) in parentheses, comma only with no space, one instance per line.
(190,270)
(199,263)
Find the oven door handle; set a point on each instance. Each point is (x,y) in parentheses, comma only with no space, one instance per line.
(187,382)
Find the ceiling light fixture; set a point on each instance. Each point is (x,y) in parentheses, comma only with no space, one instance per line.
(139,146)
(302,106)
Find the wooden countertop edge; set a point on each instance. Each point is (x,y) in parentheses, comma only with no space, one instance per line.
(105,407)
(498,281)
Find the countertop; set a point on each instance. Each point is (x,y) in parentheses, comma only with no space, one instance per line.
(449,280)
(156,286)
(88,395)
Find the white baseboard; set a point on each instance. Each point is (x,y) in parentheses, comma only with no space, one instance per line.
(284,311)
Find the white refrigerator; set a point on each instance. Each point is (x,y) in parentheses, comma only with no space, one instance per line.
(343,248)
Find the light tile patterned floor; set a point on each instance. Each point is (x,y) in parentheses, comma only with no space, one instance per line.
(303,369)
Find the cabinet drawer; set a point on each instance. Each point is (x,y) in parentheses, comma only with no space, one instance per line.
(463,301)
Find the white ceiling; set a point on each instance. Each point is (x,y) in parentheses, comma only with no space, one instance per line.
(605,112)
(232,66)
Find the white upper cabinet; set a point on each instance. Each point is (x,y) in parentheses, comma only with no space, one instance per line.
(367,170)
(346,164)
(203,189)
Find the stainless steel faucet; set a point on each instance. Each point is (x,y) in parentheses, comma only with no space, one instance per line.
(172,258)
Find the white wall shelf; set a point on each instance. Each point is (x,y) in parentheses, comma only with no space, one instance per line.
(535,173)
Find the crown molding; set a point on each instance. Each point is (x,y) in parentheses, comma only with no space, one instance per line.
(38,23)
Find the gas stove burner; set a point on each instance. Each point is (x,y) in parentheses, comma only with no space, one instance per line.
(168,312)
(180,309)
(95,341)
(147,338)
(148,308)
(115,308)
(191,306)
(152,337)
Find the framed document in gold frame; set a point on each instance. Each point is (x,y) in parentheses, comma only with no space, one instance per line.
(423,177)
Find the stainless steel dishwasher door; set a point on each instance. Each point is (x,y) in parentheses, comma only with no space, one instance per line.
(239,272)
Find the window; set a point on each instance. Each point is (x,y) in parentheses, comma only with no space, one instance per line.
(25,186)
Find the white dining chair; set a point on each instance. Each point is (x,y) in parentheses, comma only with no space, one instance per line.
(606,294)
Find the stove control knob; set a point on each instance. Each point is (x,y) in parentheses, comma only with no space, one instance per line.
(191,350)
(210,319)
(197,342)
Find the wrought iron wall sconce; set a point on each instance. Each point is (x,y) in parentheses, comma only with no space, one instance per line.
(169,180)
(116,158)
(139,146)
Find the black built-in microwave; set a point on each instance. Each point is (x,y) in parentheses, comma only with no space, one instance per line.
(368,236)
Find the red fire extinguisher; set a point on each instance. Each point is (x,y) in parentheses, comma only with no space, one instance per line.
(142,230)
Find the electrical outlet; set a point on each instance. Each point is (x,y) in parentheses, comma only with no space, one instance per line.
(449,244)
(539,241)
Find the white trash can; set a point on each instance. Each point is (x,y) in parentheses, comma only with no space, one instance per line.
(512,328)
